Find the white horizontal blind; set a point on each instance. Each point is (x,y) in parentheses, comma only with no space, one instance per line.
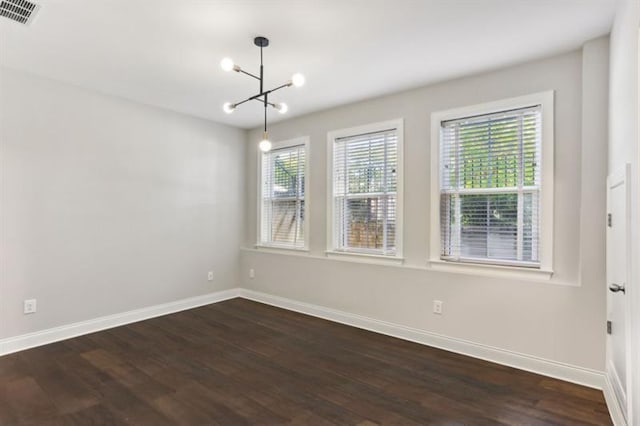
(490,188)
(365,192)
(283,191)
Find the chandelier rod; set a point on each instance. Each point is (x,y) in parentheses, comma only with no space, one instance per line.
(261,70)
(265,112)
(266,95)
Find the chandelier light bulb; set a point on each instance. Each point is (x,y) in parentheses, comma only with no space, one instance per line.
(227,64)
(282,108)
(228,107)
(297,79)
(265,143)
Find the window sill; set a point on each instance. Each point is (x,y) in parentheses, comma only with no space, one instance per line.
(281,249)
(491,270)
(364,257)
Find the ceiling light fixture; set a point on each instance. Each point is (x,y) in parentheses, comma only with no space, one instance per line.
(297,80)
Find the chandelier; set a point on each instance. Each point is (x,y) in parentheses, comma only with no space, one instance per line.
(262,96)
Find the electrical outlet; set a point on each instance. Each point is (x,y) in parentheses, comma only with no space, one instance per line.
(30,306)
(252,273)
(210,276)
(437,307)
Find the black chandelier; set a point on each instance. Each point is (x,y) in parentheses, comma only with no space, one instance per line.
(262,96)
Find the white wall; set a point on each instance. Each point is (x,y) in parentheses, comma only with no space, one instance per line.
(562,320)
(108,205)
(624,148)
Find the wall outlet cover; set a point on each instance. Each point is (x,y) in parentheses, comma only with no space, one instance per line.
(30,306)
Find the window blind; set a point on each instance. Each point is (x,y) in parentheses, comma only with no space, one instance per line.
(283,191)
(490,187)
(365,192)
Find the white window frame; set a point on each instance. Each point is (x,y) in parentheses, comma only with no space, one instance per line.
(545,270)
(357,255)
(304,140)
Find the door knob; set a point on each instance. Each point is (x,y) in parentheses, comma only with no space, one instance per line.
(616,288)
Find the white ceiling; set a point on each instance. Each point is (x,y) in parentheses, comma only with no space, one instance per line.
(167,53)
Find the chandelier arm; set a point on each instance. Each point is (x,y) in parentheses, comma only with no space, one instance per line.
(259,95)
(250,99)
(237,104)
(262,101)
(287,84)
(249,74)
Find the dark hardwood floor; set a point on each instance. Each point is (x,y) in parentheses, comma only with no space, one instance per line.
(240,362)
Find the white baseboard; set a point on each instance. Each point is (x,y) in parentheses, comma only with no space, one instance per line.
(582,376)
(612,399)
(39,338)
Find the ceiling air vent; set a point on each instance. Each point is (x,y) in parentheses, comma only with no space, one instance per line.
(21,11)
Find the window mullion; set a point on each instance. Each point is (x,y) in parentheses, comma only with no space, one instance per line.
(298,202)
(457,214)
(269,188)
(520,206)
(368,215)
(345,221)
(272,202)
(385,202)
(490,164)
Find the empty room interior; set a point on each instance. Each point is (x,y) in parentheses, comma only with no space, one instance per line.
(361,212)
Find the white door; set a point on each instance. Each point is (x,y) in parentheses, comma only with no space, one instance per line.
(618,268)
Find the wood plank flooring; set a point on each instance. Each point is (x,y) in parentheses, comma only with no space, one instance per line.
(240,362)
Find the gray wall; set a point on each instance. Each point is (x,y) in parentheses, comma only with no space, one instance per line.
(561,320)
(108,205)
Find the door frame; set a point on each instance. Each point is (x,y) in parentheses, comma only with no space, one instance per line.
(622,176)
(634,292)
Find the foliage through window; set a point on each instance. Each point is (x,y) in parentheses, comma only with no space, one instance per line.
(283,197)
(490,187)
(365,192)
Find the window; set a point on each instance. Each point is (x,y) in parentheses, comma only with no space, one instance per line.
(282,205)
(366,195)
(495,183)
